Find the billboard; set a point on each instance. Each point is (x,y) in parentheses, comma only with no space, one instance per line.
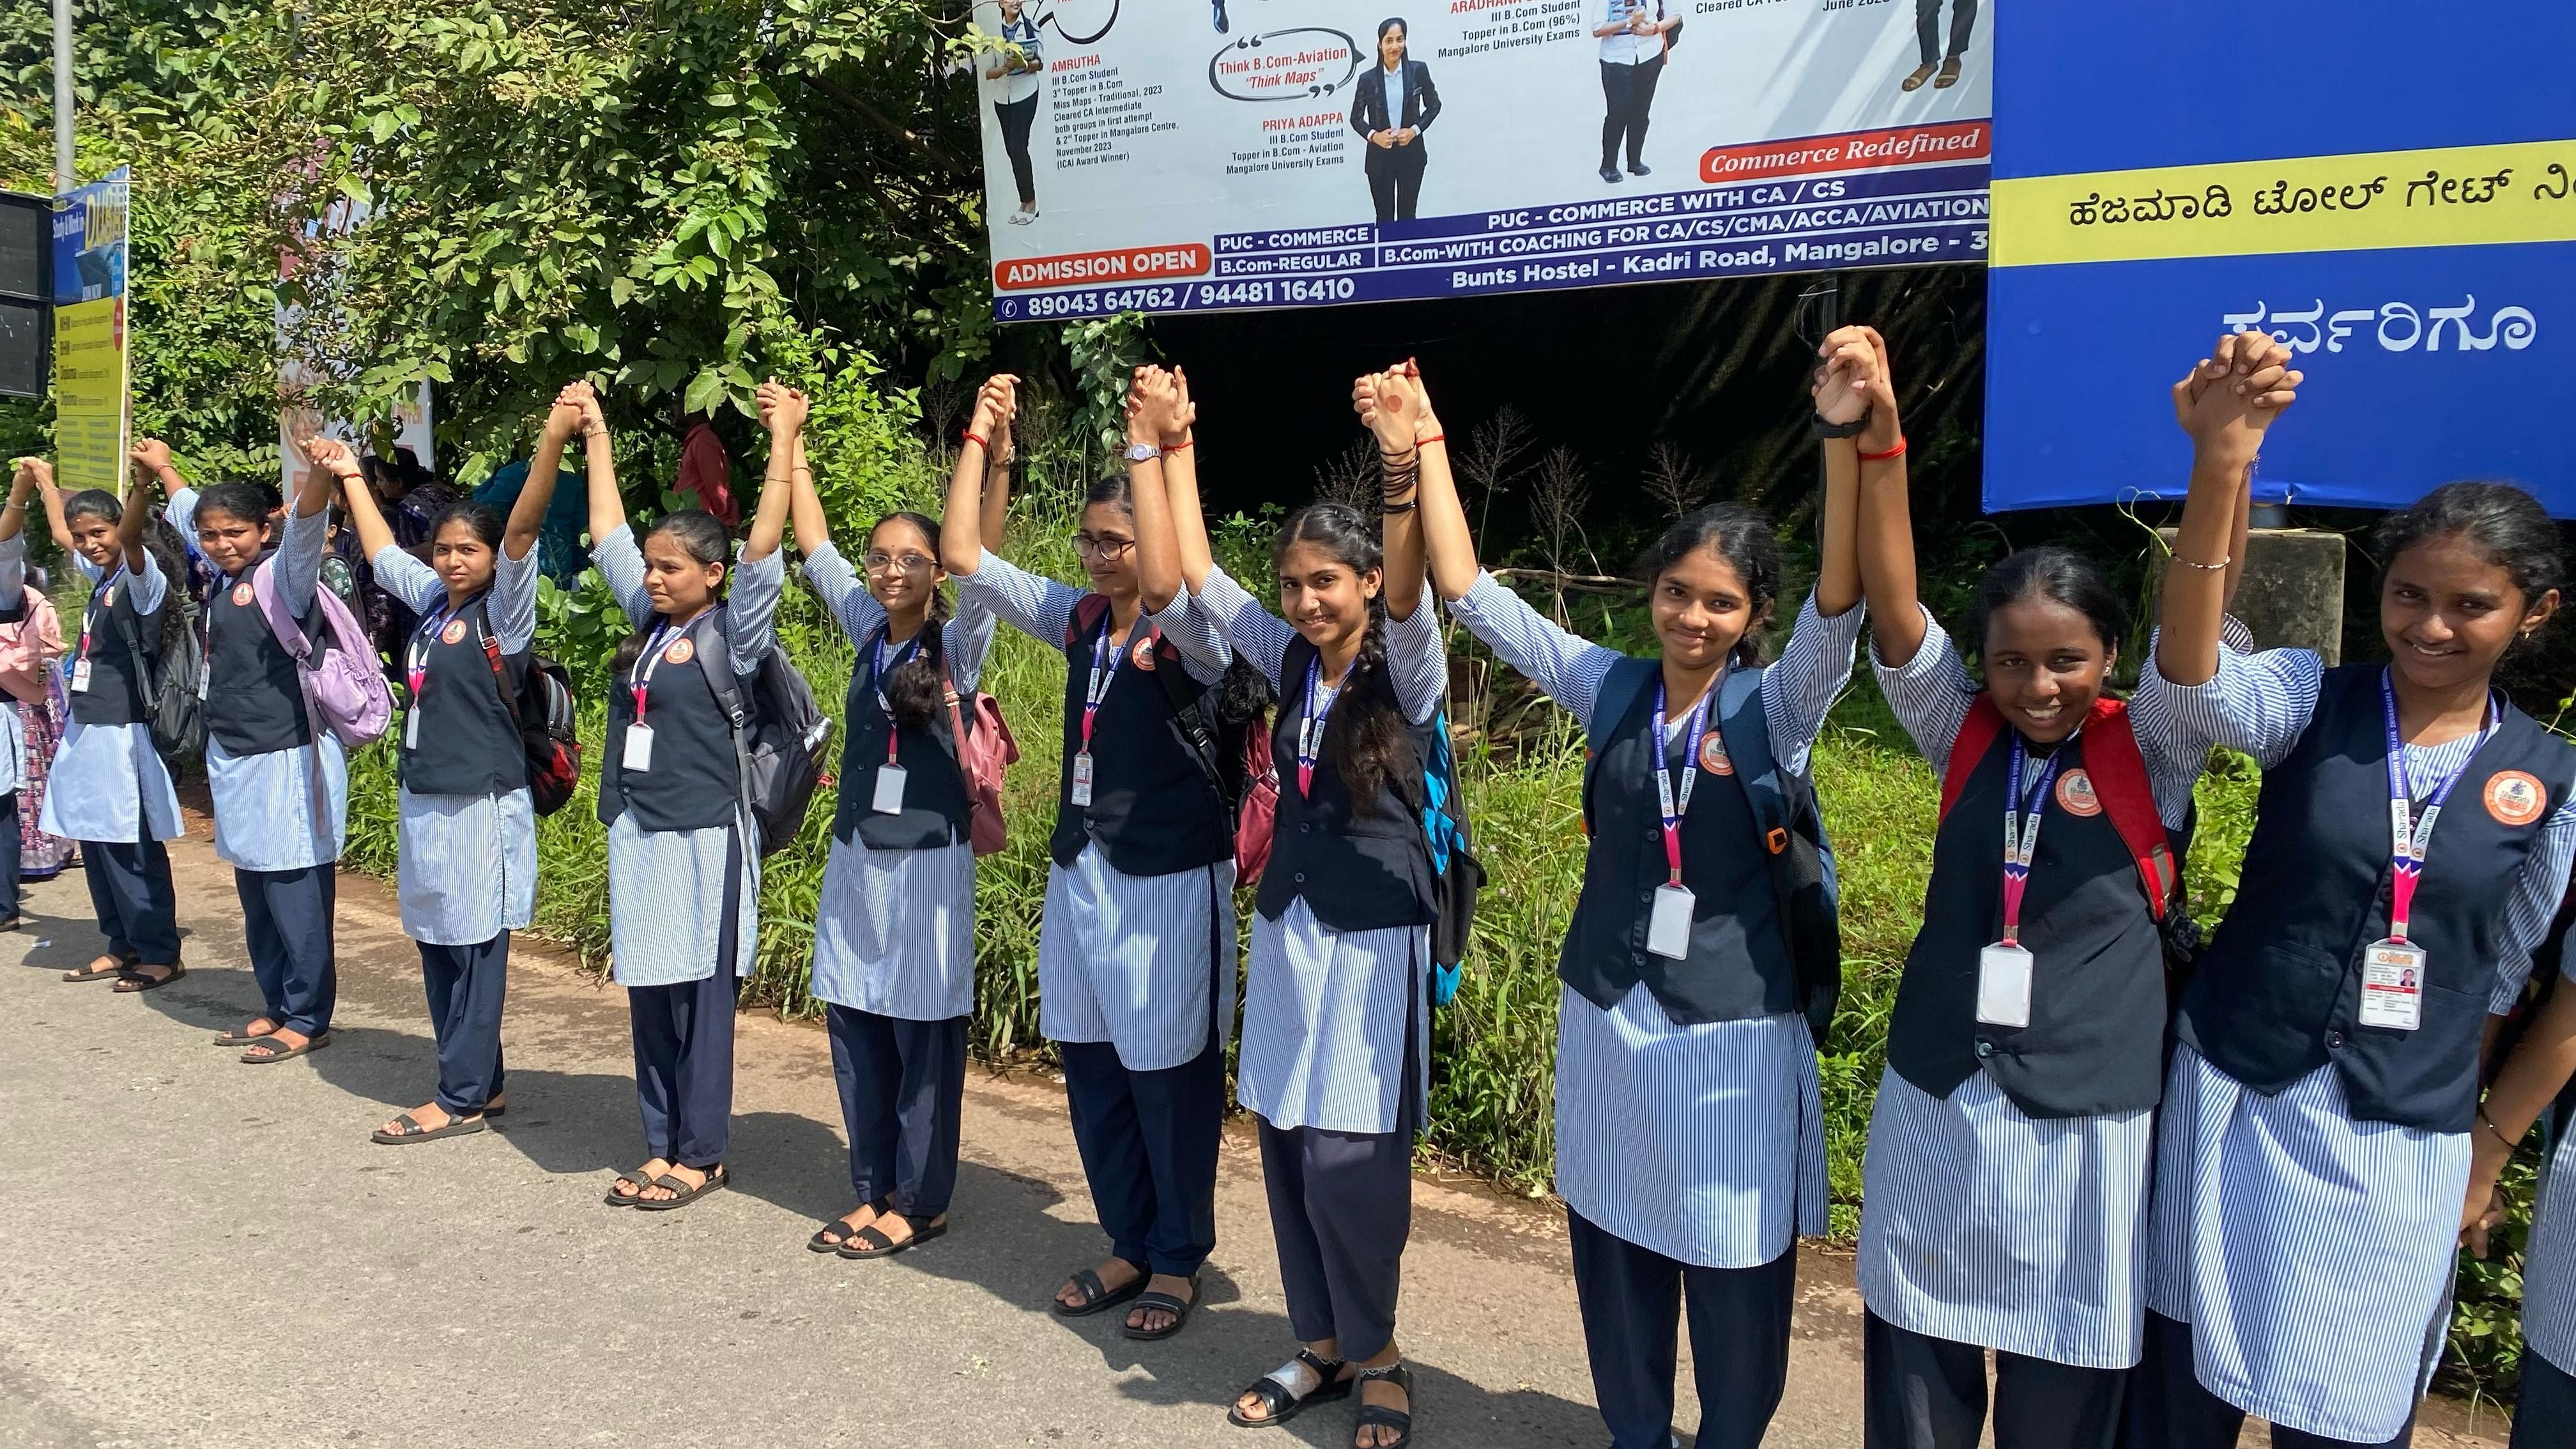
(1215,154)
(2413,244)
(90,341)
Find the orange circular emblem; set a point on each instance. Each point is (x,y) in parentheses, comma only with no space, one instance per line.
(454,632)
(242,595)
(680,652)
(2075,794)
(1712,755)
(2514,798)
(1143,654)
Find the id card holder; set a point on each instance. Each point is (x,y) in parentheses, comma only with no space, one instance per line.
(1082,778)
(1668,930)
(411,731)
(80,676)
(2003,985)
(889,799)
(2392,985)
(205,676)
(638,754)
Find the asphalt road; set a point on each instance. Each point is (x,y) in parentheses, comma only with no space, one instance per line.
(207,1254)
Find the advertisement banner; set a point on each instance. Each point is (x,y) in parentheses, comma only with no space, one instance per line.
(1211,154)
(2418,256)
(90,340)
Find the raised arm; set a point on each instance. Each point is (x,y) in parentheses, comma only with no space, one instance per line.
(40,474)
(997,483)
(785,415)
(961,532)
(2226,404)
(1181,487)
(1153,413)
(607,508)
(1399,418)
(805,505)
(528,515)
(367,516)
(1855,384)
(13,519)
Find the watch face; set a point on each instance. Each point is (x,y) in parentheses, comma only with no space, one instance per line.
(1139,452)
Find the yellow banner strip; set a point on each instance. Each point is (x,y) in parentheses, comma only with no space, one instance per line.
(2450,197)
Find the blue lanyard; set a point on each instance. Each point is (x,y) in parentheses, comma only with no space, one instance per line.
(2410,837)
(1677,804)
(2021,832)
(910,647)
(1310,730)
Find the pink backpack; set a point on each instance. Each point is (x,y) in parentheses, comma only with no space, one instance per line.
(344,687)
(982,753)
(28,646)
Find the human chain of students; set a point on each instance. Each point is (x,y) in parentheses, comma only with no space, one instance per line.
(2137,1168)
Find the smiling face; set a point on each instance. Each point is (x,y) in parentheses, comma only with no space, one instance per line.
(1702,609)
(94,537)
(903,567)
(1106,544)
(2447,613)
(231,542)
(678,584)
(1390,47)
(462,558)
(2045,663)
(1011,11)
(1324,598)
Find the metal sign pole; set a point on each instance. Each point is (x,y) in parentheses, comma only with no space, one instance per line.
(66,173)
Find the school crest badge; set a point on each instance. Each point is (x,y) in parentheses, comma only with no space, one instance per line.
(1712,754)
(2075,794)
(2514,797)
(454,633)
(682,650)
(242,595)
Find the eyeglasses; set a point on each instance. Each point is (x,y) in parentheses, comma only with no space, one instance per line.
(1108,549)
(909,563)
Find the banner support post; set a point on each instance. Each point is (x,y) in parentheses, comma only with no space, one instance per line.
(66,171)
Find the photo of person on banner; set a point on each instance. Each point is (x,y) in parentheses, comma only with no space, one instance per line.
(1941,67)
(1634,37)
(1395,104)
(1017,64)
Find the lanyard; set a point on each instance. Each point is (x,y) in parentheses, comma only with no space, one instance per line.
(2409,837)
(1676,805)
(910,647)
(639,679)
(2021,833)
(1104,670)
(1310,730)
(416,656)
(90,615)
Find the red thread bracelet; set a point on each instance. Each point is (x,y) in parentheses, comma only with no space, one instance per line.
(1434,438)
(1896,452)
(977,439)
(1176,447)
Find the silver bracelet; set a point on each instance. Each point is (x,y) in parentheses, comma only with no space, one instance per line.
(2219,567)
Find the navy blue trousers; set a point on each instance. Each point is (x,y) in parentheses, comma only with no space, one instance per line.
(2544,1417)
(1632,1299)
(2168,1409)
(684,1066)
(1930,1393)
(903,1093)
(10,846)
(286,921)
(1148,1143)
(129,889)
(465,988)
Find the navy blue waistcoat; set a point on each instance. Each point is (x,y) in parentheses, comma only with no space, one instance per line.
(115,693)
(936,807)
(254,702)
(467,745)
(695,783)
(1358,870)
(1153,809)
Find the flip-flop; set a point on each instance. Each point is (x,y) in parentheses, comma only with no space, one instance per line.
(875,1244)
(685,1193)
(1098,1297)
(411,1130)
(133,981)
(1164,1303)
(613,1197)
(92,973)
(243,1038)
(830,1237)
(272,1054)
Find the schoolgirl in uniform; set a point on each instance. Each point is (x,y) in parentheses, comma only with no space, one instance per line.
(894,931)
(2005,1187)
(683,858)
(1136,951)
(2322,1103)
(280,786)
(110,789)
(1689,1130)
(1336,1024)
(2530,1083)
(467,864)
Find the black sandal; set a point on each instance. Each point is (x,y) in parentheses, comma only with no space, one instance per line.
(407,1130)
(240,1039)
(614,1198)
(682,1193)
(830,1237)
(117,966)
(132,979)
(1400,1420)
(1163,1303)
(1283,1403)
(874,1244)
(1098,1297)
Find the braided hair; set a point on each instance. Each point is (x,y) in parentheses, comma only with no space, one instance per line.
(916,691)
(1368,740)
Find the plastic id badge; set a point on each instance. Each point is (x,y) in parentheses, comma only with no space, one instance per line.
(1668,931)
(638,754)
(411,729)
(1082,778)
(2392,985)
(80,676)
(2003,984)
(889,799)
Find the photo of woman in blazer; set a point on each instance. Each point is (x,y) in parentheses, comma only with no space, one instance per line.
(1393,124)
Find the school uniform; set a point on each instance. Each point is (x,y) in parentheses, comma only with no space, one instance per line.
(2314,1144)
(2005,1185)
(466,872)
(1335,1026)
(683,864)
(894,929)
(1136,957)
(2544,1414)
(280,786)
(109,788)
(1689,1127)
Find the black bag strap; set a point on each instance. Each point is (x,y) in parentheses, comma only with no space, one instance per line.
(500,676)
(728,690)
(1189,705)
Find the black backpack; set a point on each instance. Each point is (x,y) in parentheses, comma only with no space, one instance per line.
(781,737)
(171,707)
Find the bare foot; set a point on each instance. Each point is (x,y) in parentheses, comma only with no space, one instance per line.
(1114,1274)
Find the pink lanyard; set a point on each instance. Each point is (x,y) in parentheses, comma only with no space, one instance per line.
(2409,837)
(416,658)
(1310,730)
(910,647)
(1676,806)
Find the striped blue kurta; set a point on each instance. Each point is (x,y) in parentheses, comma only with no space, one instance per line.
(2312,1253)
(1981,1224)
(894,930)
(280,809)
(1124,958)
(466,869)
(1704,1143)
(2549,1262)
(108,783)
(1324,1011)
(666,888)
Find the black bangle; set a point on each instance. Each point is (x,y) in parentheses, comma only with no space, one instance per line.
(1407,506)
(1852,429)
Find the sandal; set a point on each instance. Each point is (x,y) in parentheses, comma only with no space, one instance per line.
(1098,1297)
(830,1237)
(117,967)
(266,1050)
(244,1038)
(1278,1392)
(407,1130)
(874,1244)
(1163,1303)
(637,1179)
(684,1194)
(1400,1420)
(133,979)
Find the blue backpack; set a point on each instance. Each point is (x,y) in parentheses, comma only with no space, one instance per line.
(1805,890)
(1461,875)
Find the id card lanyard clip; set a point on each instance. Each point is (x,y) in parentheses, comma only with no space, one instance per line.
(1668,929)
(890,776)
(1104,672)
(2392,969)
(2004,969)
(1310,730)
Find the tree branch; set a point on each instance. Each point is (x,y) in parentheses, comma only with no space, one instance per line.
(851,99)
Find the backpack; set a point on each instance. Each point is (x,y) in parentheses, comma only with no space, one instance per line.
(1461,875)
(780,736)
(173,711)
(541,713)
(31,637)
(1234,754)
(983,753)
(2119,775)
(343,680)
(1806,890)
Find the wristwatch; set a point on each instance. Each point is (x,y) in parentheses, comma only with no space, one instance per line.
(1850,429)
(1142,452)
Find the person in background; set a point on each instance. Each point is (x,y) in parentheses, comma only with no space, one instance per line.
(1020,68)
(110,789)
(1393,105)
(34,652)
(1927,32)
(1631,33)
(559,553)
(704,474)
(31,639)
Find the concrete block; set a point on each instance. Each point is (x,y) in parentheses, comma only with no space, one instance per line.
(2292,593)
